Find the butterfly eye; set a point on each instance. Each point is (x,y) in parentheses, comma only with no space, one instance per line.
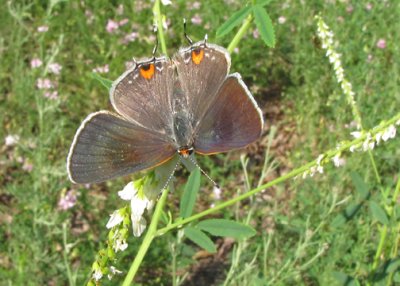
(197,55)
(147,71)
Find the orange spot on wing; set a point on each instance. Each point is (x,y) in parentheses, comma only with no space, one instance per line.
(147,71)
(197,56)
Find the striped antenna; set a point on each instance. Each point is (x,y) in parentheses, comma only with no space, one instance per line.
(204,173)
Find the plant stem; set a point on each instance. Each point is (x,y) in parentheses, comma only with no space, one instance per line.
(385,228)
(377,176)
(327,155)
(65,255)
(150,235)
(239,35)
(158,22)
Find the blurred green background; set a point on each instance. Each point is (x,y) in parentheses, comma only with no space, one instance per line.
(317,231)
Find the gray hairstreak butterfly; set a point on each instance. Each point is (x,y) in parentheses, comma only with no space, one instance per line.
(164,107)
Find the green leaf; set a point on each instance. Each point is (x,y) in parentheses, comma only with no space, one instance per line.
(190,193)
(104,81)
(200,238)
(224,227)
(264,25)
(233,21)
(378,213)
(344,279)
(263,2)
(393,266)
(361,187)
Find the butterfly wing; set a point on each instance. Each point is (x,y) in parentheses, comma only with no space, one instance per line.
(107,146)
(233,120)
(143,94)
(201,71)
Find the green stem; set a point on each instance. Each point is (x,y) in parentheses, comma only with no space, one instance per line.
(239,35)
(378,177)
(150,235)
(384,230)
(65,256)
(158,20)
(327,156)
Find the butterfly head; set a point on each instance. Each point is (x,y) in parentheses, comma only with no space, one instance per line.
(185,151)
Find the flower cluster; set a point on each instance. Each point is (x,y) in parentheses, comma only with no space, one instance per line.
(141,194)
(326,36)
(372,140)
(48,85)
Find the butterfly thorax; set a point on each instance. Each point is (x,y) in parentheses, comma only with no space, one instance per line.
(182,123)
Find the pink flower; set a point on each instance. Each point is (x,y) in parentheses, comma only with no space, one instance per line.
(281,20)
(35,63)
(68,200)
(112,26)
(103,69)
(129,38)
(349,9)
(55,68)
(89,16)
(51,94)
(196,19)
(44,83)
(368,6)
(256,34)
(123,22)
(381,44)
(43,29)
(27,166)
(193,6)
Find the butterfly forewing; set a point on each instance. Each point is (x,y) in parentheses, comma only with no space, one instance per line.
(232,121)
(143,94)
(201,70)
(107,146)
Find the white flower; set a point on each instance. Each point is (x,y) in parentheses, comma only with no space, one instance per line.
(55,68)
(113,271)
(281,20)
(378,137)
(138,225)
(120,245)
(337,161)
(97,275)
(353,148)
(42,29)
(356,134)
(115,219)
(389,133)
(128,192)
(166,2)
(138,205)
(217,193)
(11,140)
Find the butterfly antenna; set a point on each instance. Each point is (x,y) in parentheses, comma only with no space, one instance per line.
(171,175)
(156,45)
(203,172)
(184,32)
